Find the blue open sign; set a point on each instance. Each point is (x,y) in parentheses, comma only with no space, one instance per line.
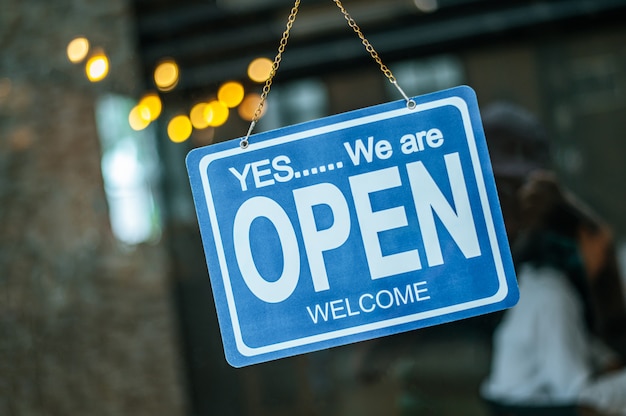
(352,227)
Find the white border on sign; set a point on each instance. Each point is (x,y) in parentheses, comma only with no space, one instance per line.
(500,295)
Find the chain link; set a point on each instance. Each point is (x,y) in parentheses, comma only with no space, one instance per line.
(277,60)
(368,46)
(281,48)
(268,82)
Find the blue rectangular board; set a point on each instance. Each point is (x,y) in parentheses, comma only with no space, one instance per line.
(351,227)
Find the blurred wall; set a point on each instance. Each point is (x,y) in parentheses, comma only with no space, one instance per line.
(86,325)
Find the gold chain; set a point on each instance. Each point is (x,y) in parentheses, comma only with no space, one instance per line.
(281,48)
(365,42)
(277,59)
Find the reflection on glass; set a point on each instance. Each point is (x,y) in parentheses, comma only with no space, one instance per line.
(129,170)
(427,75)
(296,102)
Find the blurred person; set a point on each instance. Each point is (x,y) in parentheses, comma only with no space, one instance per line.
(518,145)
(546,359)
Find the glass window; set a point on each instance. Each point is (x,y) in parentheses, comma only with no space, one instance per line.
(129,170)
(295,103)
(427,75)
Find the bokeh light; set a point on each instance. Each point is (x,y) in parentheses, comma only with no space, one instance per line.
(248,107)
(179,129)
(97,67)
(427,6)
(166,75)
(230,93)
(196,115)
(77,49)
(150,106)
(259,69)
(138,120)
(216,113)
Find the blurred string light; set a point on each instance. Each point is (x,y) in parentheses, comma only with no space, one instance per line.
(97,66)
(230,94)
(166,75)
(248,106)
(203,116)
(196,115)
(147,110)
(137,120)
(150,106)
(259,69)
(77,49)
(179,129)
(216,113)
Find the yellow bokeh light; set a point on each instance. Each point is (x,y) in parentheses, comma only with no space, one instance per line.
(197,116)
(144,112)
(231,94)
(179,129)
(151,106)
(216,113)
(207,113)
(249,105)
(77,49)
(259,69)
(136,119)
(166,75)
(97,67)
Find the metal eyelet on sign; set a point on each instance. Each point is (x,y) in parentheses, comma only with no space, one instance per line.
(245,140)
(410,103)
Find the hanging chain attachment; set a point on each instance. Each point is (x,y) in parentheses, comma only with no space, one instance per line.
(281,48)
(268,83)
(410,103)
(369,48)
(245,141)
